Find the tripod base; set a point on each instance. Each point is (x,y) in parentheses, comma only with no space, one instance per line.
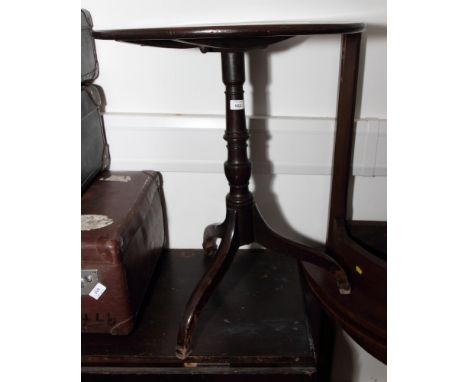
(245,225)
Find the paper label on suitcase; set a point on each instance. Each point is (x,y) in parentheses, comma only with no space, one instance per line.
(91,222)
(97,291)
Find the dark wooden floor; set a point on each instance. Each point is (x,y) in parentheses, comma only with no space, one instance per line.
(254,325)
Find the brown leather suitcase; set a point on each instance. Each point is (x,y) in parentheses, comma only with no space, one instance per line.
(122,236)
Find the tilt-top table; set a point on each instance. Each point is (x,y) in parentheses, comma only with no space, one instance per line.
(243,223)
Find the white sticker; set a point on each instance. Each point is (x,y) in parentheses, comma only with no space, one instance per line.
(237,104)
(97,291)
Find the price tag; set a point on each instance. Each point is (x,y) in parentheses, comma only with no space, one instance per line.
(237,104)
(97,291)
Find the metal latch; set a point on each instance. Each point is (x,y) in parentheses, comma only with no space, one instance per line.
(89,279)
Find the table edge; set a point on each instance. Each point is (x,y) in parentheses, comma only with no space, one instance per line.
(228,31)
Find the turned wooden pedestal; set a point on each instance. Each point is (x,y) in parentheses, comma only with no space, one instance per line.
(243,223)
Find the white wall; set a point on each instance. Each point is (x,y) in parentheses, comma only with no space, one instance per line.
(291,162)
(146,87)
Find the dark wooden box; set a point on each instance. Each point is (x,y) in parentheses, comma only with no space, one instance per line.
(261,324)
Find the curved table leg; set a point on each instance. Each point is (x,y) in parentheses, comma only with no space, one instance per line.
(316,254)
(201,294)
(210,235)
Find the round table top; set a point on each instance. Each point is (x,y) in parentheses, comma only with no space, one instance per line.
(224,37)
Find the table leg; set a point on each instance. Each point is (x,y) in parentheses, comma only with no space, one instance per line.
(201,294)
(210,235)
(315,254)
(342,156)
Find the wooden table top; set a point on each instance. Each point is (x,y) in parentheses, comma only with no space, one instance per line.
(224,37)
